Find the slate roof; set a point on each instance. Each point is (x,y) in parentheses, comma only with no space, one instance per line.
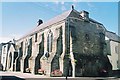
(50,22)
(112,36)
(54,20)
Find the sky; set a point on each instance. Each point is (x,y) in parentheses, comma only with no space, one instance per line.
(18,18)
(119,18)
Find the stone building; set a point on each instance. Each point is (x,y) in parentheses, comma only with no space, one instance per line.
(71,42)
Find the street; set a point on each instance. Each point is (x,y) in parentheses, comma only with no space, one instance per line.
(28,76)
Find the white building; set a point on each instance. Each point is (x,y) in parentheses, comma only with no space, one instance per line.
(4,53)
(113,42)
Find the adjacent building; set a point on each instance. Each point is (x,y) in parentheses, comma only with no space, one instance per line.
(113,42)
(1,66)
(0,52)
(5,54)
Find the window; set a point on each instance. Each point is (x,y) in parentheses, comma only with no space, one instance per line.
(3,59)
(21,50)
(87,37)
(35,37)
(22,45)
(29,50)
(4,49)
(4,46)
(30,41)
(26,45)
(102,35)
(49,41)
(10,60)
(116,49)
(117,63)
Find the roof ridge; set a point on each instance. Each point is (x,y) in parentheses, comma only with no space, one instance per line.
(51,21)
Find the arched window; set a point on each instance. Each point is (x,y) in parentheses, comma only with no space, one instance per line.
(35,37)
(26,46)
(10,59)
(49,41)
(4,49)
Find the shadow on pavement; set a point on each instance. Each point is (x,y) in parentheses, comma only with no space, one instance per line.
(10,78)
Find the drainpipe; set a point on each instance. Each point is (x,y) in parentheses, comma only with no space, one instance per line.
(68,46)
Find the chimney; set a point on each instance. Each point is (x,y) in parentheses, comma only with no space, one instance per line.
(39,22)
(85,15)
(72,7)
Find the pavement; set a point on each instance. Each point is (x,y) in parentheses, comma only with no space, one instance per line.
(29,76)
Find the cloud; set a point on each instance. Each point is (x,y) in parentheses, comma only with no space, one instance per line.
(90,5)
(62,2)
(16,36)
(56,2)
(4,39)
(74,0)
(46,5)
(63,8)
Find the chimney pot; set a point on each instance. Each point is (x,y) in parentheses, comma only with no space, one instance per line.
(39,22)
(85,15)
(72,7)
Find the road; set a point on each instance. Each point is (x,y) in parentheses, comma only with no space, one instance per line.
(28,76)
